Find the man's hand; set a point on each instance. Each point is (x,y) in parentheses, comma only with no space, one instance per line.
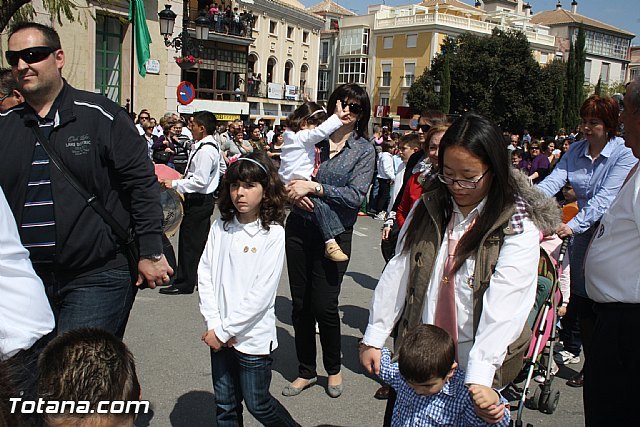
(154,272)
(564,231)
(166,183)
(487,403)
(370,358)
(212,340)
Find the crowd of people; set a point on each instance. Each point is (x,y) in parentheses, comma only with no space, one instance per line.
(465,209)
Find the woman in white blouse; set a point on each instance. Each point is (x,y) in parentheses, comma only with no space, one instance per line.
(470,263)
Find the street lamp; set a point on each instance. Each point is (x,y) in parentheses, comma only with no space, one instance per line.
(183,41)
(437,86)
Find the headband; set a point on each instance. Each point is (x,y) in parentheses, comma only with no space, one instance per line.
(321,110)
(255,162)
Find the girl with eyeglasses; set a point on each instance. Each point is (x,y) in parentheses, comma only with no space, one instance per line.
(467,260)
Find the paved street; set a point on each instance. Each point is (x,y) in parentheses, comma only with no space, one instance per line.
(173,364)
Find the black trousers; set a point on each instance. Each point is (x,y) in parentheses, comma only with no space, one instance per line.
(612,369)
(315,283)
(384,194)
(194,231)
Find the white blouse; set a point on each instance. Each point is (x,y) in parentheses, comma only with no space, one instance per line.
(238,277)
(506,303)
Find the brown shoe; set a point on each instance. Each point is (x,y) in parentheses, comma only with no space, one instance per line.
(334,252)
(577,381)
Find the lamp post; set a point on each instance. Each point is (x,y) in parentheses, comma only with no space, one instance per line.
(182,42)
(437,86)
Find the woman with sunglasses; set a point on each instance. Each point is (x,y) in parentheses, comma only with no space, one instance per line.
(538,164)
(596,168)
(470,262)
(343,177)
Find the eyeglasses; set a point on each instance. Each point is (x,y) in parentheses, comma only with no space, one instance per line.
(463,183)
(353,107)
(4,97)
(424,128)
(535,148)
(144,117)
(30,55)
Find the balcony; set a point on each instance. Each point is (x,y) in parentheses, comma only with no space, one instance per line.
(458,24)
(222,26)
(279,91)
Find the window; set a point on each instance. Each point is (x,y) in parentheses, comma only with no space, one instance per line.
(334,25)
(323,85)
(412,40)
(387,42)
(604,72)
(352,70)
(384,99)
(324,52)
(352,41)
(409,73)
(405,99)
(305,37)
(543,58)
(587,71)
(290,32)
(273,27)
(386,75)
(108,65)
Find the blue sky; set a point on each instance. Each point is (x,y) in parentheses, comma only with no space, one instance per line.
(624,14)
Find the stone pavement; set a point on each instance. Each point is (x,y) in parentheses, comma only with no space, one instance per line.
(173,364)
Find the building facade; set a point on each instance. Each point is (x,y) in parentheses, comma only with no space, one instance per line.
(282,58)
(606,47)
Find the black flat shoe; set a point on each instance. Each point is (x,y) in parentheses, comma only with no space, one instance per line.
(172,290)
(577,381)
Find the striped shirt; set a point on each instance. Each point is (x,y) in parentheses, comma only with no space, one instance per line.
(38,228)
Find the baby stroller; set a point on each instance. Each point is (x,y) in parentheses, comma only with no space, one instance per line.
(545,398)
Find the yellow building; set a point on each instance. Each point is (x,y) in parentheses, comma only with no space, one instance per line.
(403,41)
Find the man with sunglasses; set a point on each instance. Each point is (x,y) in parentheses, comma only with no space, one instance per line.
(142,117)
(77,255)
(9,94)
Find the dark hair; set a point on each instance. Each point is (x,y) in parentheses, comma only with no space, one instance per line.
(272,206)
(353,92)
(87,364)
(517,152)
(410,140)
(51,37)
(434,129)
(8,83)
(604,108)
(306,113)
(206,119)
(544,144)
(483,139)
(387,146)
(427,352)
(433,118)
(253,127)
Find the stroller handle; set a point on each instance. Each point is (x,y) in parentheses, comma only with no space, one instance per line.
(563,249)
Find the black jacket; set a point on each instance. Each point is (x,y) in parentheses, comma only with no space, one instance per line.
(99,144)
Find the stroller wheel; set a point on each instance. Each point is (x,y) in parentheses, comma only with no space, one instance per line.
(533,402)
(550,404)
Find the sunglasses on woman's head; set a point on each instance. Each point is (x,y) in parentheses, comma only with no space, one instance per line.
(424,128)
(30,55)
(353,107)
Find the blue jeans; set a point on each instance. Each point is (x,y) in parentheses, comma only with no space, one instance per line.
(101,300)
(237,377)
(326,219)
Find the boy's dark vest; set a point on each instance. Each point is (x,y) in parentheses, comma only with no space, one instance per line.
(424,252)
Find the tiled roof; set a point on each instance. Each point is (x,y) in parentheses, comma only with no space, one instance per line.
(330,7)
(444,3)
(563,16)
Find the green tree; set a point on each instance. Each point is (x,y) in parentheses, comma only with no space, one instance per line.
(60,10)
(575,81)
(421,96)
(445,84)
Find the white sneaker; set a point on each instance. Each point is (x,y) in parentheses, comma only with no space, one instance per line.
(566,358)
(554,370)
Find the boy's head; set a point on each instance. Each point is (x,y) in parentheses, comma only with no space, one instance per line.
(427,359)
(407,145)
(387,146)
(204,123)
(516,157)
(88,365)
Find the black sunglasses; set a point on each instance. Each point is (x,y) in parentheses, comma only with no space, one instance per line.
(424,128)
(30,55)
(353,107)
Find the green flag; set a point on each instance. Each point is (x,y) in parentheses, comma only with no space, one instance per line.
(140,34)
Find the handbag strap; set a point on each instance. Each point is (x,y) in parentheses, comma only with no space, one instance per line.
(90,199)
